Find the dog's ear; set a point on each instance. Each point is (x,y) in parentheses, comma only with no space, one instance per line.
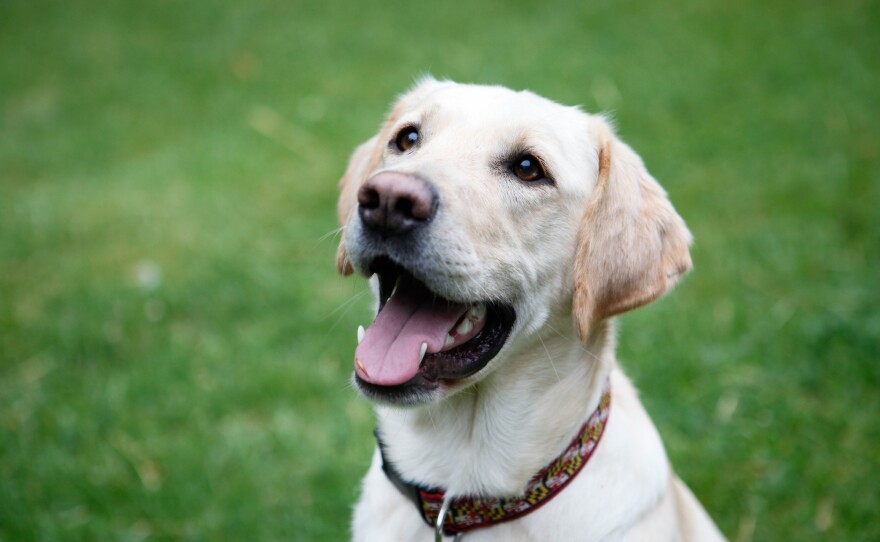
(632,245)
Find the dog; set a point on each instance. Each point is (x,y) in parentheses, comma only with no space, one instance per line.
(501,233)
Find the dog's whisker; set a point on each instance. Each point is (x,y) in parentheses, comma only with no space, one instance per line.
(349,385)
(581,346)
(332,233)
(550,358)
(431,417)
(345,305)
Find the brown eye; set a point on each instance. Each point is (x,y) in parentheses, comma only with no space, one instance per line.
(528,168)
(406,138)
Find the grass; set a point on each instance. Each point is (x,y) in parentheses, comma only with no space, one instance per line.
(174,342)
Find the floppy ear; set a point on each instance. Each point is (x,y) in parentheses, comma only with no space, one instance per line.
(364,160)
(632,245)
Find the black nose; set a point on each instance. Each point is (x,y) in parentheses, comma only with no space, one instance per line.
(392,203)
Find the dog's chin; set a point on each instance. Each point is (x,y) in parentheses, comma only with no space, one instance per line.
(440,372)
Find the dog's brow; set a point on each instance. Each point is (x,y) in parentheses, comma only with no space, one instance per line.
(425,115)
(415,118)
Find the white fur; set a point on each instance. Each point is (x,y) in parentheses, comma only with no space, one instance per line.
(495,237)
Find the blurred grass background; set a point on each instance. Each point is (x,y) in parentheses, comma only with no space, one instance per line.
(174,341)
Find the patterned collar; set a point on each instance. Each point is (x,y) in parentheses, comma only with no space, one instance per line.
(468,513)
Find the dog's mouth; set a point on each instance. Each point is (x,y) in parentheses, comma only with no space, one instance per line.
(420,339)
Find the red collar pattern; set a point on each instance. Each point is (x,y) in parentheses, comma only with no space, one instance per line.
(468,513)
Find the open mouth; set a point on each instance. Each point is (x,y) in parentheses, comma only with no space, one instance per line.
(420,339)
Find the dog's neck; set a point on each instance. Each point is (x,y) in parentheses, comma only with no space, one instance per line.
(491,438)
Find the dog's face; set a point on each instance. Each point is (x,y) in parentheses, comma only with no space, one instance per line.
(480,213)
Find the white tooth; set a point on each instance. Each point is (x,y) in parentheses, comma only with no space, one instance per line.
(360,334)
(477,312)
(464,327)
(449,340)
(422,353)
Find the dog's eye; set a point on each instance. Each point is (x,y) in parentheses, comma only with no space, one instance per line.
(528,168)
(406,138)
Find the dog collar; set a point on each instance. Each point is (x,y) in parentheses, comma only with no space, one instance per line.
(467,513)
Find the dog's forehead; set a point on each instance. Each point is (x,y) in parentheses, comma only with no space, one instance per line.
(498,107)
(495,100)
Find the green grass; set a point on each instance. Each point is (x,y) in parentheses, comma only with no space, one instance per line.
(175,344)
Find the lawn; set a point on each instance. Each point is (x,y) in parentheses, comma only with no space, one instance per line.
(175,345)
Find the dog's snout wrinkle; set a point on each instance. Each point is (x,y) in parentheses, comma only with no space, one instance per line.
(391,203)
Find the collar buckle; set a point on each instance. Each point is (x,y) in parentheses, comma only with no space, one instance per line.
(441,517)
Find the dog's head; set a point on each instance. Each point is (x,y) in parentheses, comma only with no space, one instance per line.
(481,213)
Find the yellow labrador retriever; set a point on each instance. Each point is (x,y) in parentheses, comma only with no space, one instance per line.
(501,233)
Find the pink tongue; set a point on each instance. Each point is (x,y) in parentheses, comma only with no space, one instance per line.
(389,352)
